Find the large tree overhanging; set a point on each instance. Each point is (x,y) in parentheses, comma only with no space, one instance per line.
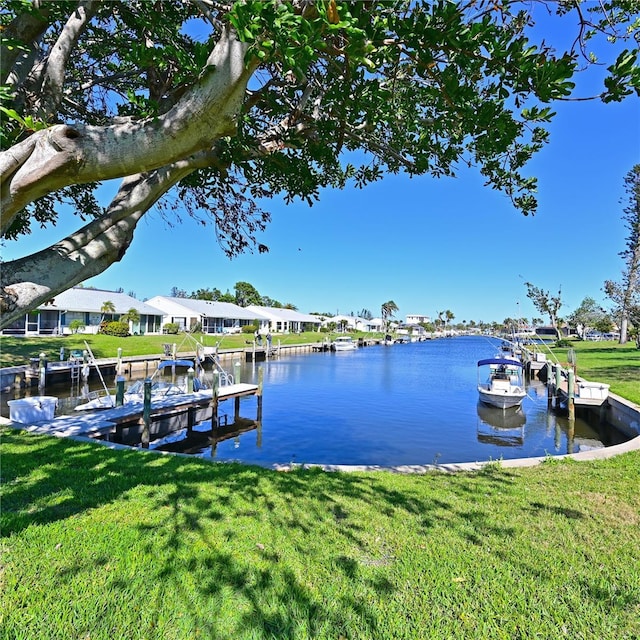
(274,101)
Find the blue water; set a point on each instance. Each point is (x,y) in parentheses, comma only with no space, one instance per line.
(404,404)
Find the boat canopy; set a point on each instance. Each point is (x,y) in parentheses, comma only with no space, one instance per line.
(499,361)
(175,363)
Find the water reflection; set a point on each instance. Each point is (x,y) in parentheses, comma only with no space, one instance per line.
(501,427)
(203,439)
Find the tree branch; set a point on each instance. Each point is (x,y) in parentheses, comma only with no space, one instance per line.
(25,28)
(30,281)
(60,54)
(64,155)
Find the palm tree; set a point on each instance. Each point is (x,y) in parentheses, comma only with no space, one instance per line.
(387,310)
(132,316)
(107,307)
(449,317)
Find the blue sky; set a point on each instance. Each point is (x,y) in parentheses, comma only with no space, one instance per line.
(429,245)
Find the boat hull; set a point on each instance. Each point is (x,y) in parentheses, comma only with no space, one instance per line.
(502,399)
(344,344)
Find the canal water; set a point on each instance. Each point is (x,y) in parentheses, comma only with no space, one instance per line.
(406,404)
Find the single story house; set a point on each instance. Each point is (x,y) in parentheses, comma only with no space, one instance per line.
(286,320)
(89,307)
(212,316)
(355,323)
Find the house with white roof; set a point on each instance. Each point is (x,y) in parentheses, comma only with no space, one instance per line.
(212,316)
(286,320)
(355,323)
(87,307)
(414,318)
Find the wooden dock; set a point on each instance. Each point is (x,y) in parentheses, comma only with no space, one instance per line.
(125,424)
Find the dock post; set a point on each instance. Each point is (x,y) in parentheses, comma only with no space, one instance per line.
(214,399)
(549,386)
(571,392)
(190,374)
(43,371)
(556,388)
(259,394)
(146,413)
(119,391)
(119,365)
(236,379)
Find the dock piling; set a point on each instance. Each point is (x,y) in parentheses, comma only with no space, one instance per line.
(214,399)
(571,395)
(259,395)
(119,391)
(146,413)
(43,371)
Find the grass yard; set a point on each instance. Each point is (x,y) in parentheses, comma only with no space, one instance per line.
(615,364)
(16,350)
(104,544)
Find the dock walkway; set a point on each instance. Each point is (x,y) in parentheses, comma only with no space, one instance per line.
(104,423)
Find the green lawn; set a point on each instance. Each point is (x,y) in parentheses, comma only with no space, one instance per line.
(99,544)
(105,544)
(16,350)
(615,364)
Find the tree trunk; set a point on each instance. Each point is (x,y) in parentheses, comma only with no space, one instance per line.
(624,329)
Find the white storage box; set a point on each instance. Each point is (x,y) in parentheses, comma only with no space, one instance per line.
(34,409)
(593,390)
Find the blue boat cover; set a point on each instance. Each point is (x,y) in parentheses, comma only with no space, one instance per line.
(505,362)
(176,363)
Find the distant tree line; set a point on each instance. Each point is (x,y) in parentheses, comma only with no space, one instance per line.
(245,294)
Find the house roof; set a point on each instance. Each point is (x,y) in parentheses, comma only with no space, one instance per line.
(92,300)
(204,308)
(287,315)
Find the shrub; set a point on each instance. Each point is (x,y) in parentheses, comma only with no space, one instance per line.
(114,328)
(249,328)
(170,327)
(76,325)
(563,343)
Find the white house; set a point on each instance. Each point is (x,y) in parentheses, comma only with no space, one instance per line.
(415,318)
(355,323)
(286,320)
(86,306)
(213,317)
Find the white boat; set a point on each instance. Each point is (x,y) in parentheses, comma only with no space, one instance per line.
(504,386)
(344,343)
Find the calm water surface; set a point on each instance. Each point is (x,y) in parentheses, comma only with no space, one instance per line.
(405,404)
